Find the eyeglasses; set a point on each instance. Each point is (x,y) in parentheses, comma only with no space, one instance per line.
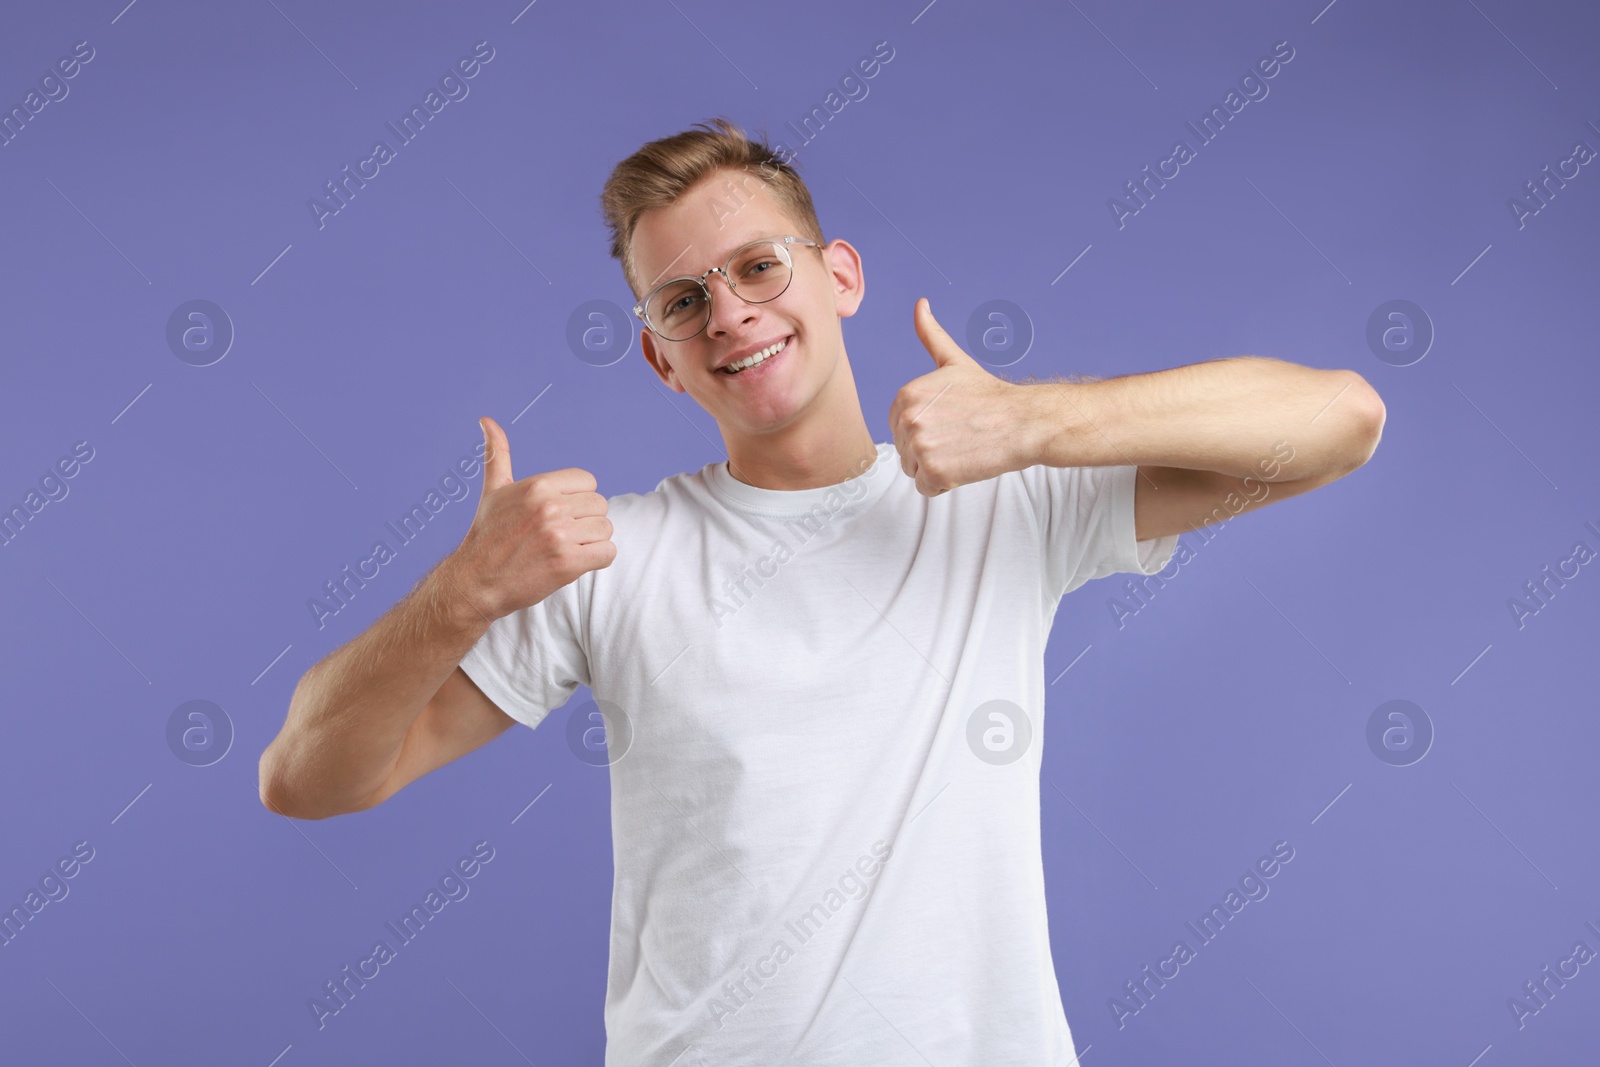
(760,271)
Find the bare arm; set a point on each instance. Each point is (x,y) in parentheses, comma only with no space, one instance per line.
(1204,437)
(351,713)
(393,704)
(1230,433)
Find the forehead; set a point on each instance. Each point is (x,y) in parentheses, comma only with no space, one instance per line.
(700,229)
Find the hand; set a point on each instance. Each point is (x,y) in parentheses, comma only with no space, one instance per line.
(529,537)
(958,423)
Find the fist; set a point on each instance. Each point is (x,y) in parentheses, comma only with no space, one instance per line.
(529,537)
(958,423)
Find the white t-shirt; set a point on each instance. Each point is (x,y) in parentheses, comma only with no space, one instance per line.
(825,822)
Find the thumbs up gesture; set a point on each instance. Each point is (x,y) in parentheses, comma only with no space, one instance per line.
(958,423)
(528,537)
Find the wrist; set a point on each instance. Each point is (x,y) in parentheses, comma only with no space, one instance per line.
(457,599)
(1085,425)
(1049,418)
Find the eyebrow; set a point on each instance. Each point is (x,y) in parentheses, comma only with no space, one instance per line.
(651,284)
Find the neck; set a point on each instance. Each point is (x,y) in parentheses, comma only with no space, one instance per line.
(828,444)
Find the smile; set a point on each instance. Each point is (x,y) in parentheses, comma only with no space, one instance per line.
(766,355)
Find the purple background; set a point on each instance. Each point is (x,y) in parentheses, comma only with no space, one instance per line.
(1228,714)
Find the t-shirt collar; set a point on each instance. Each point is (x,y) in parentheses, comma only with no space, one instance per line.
(854,492)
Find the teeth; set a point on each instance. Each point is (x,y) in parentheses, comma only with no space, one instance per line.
(752,360)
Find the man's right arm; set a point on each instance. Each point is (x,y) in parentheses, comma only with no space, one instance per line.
(393,704)
(384,709)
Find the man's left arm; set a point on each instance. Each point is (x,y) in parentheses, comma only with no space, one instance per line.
(1210,440)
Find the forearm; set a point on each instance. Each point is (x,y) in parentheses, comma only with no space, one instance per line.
(350,712)
(1224,416)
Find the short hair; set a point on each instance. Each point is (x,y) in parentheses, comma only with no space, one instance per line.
(663,170)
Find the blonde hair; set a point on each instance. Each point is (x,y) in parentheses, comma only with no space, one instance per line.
(663,170)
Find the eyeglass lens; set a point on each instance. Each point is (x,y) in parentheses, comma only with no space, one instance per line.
(759,272)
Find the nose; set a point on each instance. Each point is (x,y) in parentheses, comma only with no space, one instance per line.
(728,309)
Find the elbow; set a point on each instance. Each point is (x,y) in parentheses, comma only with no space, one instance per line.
(275,800)
(272,799)
(1367,425)
(277,767)
(275,795)
(281,798)
(269,785)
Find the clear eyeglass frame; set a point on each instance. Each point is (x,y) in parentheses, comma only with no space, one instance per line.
(783,247)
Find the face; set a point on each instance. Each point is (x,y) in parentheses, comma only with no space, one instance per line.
(701,229)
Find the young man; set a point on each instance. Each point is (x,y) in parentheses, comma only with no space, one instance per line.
(821,661)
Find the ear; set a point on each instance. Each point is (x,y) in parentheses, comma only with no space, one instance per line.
(656,357)
(846,276)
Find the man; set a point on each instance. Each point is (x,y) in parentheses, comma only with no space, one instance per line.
(823,677)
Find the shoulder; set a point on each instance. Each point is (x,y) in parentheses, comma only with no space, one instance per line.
(677,503)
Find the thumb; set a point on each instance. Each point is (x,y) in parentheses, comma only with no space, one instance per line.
(496,458)
(940,345)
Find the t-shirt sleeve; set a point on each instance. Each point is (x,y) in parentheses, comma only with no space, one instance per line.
(1086,517)
(531,661)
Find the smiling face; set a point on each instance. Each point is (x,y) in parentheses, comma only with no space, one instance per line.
(700,230)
